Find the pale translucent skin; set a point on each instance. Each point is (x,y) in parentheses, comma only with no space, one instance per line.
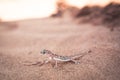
(57,58)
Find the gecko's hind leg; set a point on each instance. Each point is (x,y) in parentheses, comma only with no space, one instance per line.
(75,61)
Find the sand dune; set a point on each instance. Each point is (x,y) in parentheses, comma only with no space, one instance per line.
(62,37)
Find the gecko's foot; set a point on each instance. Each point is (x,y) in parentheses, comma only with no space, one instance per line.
(77,62)
(54,67)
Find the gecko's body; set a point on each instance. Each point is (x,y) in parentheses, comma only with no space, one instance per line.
(58,58)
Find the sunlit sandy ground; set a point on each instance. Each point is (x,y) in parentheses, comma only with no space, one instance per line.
(62,37)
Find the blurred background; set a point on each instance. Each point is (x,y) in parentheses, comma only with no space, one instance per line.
(11,10)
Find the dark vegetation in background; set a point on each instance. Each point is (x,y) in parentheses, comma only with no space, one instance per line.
(61,7)
(108,15)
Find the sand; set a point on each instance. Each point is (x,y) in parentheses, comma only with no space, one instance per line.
(24,43)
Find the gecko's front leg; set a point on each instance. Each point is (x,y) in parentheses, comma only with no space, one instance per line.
(56,64)
(39,63)
(44,62)
(30,64)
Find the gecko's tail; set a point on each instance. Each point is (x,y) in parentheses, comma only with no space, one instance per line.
(80,55)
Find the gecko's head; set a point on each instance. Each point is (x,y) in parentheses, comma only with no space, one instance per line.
(44,51)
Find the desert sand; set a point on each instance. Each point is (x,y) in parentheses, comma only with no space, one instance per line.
(24,43)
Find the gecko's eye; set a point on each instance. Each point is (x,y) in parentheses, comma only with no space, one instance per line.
(43,52)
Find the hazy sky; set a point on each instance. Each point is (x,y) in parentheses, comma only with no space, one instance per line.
(22,9)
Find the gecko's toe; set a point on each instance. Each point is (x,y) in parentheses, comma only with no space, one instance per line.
(77,62)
